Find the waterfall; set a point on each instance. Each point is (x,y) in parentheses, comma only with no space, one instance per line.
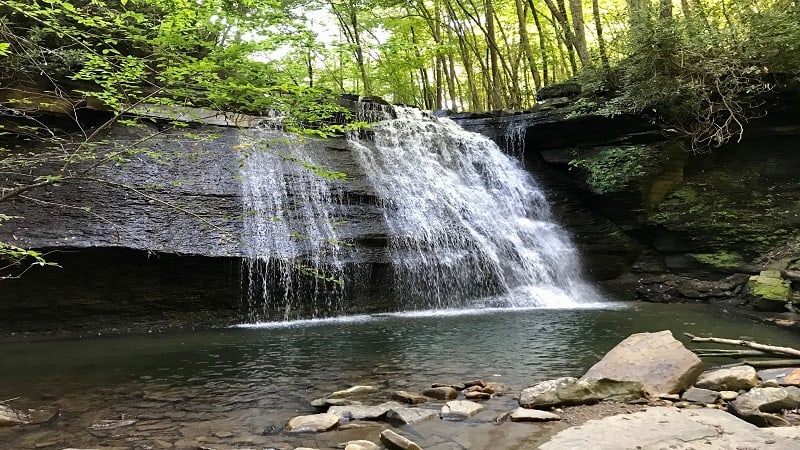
(468,224)
(292,252)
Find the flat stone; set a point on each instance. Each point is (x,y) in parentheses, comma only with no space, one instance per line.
(479,383)
(411,415)
(568,391)
(729,379)
(394,441)
(361,412)
(315,423)
(781,374)
(477,395)
(699,395)
(532,415)
(361,445)
(460,409)
(669,428)
(657,360)
(408,397)
(769,383)
(441,393)
(353,392)
(111,424)
(9,417)
(728,395)
(328,402)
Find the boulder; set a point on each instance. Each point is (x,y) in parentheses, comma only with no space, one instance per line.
(657,360)
(569,391)
(9,417)
(354,391)
(460,409)
(441,393)
(411,415)
(728,395)
(361,412)
(314,423)
(532,415)
(408,397)
(729,379)
(770,290)
(698,395)
(361,445)
(756,405)
(785,375)
(769,399)
(394,441)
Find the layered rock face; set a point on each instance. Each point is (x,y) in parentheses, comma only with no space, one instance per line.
(637,198)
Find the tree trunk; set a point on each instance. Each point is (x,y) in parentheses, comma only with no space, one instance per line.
(601,43)
(542,43)
(524,42)
(494,88)
(579,30)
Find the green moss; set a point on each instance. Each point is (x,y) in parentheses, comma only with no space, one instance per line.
(770,285)
(612,169)
(719,259)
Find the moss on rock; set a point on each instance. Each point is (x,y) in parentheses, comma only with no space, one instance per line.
(770,285)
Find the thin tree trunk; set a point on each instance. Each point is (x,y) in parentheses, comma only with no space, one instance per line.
(579,30)
(542,43)
(601,43)
(525,43)
(750,344)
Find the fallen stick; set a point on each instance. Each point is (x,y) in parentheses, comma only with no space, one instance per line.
(754,345)
(770,363)
(732,353)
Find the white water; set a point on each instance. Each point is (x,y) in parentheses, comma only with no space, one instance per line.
(287,226)
(469,225)
(469,228)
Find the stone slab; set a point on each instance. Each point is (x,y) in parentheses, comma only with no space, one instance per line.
(672,428)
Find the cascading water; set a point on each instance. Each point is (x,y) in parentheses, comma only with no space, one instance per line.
(289,235)
(468,224)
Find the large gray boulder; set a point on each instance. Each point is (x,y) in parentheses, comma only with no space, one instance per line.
(567,391)
(657,360)
(729,379)
(411,415)
(394,441)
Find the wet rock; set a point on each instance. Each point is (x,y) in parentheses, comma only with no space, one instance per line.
(532,415)
(328,402)
(411,415)
(460,409)
(408,397)
(361,412)
(353,392)
(479,383)
(111,424)
(698,395)
(458,387)
(394,441)
(9,417)
(361,445)
(657,360)
(568,391)
(477,395)
(315,423)
(729,379)
(441,393)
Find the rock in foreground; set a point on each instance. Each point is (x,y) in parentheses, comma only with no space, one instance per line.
(9,417)
(315,423)
(658,360)
(729,379)
(664,427)
(394,441)
(569,391)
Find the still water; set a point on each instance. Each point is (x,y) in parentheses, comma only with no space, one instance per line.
(235,388)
